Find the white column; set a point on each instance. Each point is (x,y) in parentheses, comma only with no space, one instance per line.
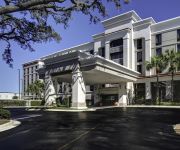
(148,54)
(96,94)
(168,89)
(126,51)
(130,91)
(122,94)
(148,90)
(50,93)
(78,90)
(107,50)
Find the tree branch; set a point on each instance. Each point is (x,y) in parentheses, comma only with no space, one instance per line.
(25,5)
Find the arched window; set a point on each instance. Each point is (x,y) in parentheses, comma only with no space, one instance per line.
(117,42)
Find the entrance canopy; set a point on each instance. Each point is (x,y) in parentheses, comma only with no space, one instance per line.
(95,69)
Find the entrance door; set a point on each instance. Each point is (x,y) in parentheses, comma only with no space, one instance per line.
(109,100)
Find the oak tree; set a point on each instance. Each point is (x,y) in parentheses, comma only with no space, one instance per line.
(26,21)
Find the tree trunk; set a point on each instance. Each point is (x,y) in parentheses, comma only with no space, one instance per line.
(157,91)
(172,87)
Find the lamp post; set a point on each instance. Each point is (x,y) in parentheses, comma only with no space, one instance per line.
(19,80)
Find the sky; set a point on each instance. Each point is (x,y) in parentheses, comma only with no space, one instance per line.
(80,30)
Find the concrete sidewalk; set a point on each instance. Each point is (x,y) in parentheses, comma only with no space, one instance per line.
(11,124)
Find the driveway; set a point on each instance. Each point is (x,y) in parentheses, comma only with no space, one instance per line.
(110,129)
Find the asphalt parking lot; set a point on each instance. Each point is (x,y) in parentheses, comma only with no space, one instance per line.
(110,129)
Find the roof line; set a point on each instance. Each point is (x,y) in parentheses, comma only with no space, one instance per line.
(121,15)
(63,50)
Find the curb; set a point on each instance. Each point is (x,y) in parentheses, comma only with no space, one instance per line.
(177,128)
(104,107)
(151,106)
(11,124)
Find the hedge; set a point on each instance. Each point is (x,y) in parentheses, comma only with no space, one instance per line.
(4,114)
(4,103)
(36,103)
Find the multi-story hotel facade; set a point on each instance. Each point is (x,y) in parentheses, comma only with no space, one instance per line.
(112,68)
(30,75)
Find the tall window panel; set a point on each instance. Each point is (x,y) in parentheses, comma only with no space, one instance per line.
(139,43)
(101,51)
(159,51)
(139,56)
(178,35)
(116,43)
(139,68)
(178,47)
(158,39)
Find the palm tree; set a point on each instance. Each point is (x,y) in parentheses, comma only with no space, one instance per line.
(173,62)
(156,62)
(36,88)
(31,89)
(39,88)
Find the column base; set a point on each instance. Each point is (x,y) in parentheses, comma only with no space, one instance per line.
(123,100)
(79,106)
(51,101)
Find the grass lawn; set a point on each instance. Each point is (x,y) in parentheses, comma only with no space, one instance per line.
(2,121)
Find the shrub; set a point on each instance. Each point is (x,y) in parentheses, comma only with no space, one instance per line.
(5,103)
(36,103)
(4,114)
(15,97)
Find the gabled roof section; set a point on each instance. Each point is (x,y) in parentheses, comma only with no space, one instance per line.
(129,15)
(68,50)
(166,25)
(99,35)
(33,62)
(147,21)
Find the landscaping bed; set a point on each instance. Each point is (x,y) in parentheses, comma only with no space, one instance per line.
(5,103)
(3,121)
(4,116)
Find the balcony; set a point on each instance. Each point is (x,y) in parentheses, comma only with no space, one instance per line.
(116,49)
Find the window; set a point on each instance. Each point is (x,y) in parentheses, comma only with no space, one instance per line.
(116,55)
(158,51)
(139,56)
(32,78)
(91,88)
(178,48)
(116,43)
(91,52)
(139,43)
(158,39)
(101,51)
(27,70)
(139,68)
(178,35)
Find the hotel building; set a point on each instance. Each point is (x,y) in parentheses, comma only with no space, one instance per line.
(111,68)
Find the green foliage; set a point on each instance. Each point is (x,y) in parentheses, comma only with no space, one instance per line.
(170,103)
(36,88)
(32,26)
(15,97)
(173,62)
(159,64)
(36,103)
(63,103)
(4,103)
(4,114)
